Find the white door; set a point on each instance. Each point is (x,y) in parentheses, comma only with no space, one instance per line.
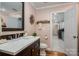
(70,31)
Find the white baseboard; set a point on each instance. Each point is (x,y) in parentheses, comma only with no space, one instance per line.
(71,52)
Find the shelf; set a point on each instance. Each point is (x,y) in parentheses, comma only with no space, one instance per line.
(45,21)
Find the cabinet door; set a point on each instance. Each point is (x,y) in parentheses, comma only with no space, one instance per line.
(36,48)
(25,52)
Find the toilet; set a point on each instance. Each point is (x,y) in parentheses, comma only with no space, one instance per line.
(43,47)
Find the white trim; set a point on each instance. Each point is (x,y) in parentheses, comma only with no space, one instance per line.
(51,30)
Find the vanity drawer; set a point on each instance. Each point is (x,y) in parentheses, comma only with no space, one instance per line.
(36,48)
(32,50)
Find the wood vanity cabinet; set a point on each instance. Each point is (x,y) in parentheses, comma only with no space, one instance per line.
(32,50)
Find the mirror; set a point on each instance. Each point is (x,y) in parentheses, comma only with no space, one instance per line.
(12,16)
(58,25)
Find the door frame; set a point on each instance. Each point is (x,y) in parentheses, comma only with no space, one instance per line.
(77,10)
(77,18)
(78,35)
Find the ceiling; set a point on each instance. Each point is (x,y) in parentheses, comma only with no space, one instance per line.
(39,5)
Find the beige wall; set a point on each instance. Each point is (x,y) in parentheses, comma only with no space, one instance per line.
(29,10)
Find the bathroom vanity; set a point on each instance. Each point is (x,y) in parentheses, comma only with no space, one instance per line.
(23,46)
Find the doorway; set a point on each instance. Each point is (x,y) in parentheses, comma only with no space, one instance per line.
(70,33)
(57,31)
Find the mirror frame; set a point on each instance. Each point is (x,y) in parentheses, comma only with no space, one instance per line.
(17,29)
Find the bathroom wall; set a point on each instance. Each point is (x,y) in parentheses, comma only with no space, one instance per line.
(46,14)
(45,28)
(29,10)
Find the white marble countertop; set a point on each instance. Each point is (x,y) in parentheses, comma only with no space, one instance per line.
(14,46)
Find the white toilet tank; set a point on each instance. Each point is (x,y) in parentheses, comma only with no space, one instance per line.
(43,45)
